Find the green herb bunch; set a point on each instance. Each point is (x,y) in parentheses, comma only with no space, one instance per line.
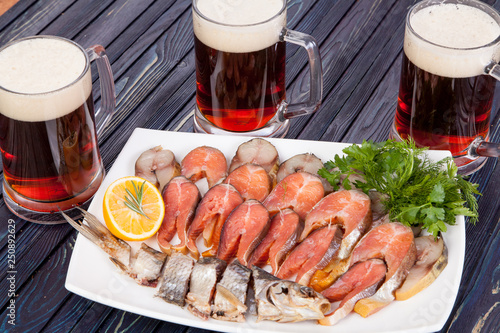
(419,192)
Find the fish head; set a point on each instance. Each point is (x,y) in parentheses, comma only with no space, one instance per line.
(297,301)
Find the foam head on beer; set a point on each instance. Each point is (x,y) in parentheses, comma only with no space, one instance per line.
(458,28)
(239,25)
(43,79)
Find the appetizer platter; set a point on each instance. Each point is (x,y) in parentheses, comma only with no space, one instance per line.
(93,275)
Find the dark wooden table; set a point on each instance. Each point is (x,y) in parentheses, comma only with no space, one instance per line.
(150,45)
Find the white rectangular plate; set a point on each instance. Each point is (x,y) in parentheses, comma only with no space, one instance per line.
(92,275)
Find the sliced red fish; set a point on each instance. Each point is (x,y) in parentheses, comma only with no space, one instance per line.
(243,231)
(313,253)
(394,243)
(180,197)
(281,238)
(257,151)
(211,214)
(251,180)
(360,281)
(205,162)
(359,276)
(299,191)
(350,209)
(303,162)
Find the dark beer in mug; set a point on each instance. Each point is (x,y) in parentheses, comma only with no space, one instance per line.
(47,128)
(240,72)
(445,97)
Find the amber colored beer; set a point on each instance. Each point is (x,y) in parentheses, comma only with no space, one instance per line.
(441,112)
(52,160)
(47,129)
(240,62)
(445,97)
(240,91)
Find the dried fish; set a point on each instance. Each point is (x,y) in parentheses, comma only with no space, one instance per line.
(145,267)
(230,297)
(174,281)
(206,273)
(286,301)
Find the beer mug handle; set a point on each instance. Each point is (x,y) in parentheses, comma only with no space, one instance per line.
(480,147)
(316,74)
(108,100)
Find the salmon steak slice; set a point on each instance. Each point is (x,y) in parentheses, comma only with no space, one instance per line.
(204,162)
(299,191)
(251,180)
(313,253)
(394,243)
(257,151)
(281,238)
(180,197)
(360,281)
(350,209)
(212,212)
(243,230)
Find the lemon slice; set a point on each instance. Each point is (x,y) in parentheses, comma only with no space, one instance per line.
(133,208)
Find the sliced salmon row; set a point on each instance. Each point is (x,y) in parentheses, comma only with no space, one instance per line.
(251,180)
(313,253)
(350,209)
(243,230)
(205,162)
(180,197)
(299,191)
(282,236)
(211,214)
(360,281)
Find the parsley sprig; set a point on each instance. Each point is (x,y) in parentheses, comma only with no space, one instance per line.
(419,192)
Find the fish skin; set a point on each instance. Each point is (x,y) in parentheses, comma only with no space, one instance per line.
(350,209)
(285,301)
(211,213)
(257,151)
(394,243)
(204,162)
(174,281)
(251,180)
(283,235)
(180,197)
(243,230)
(299,191)
(314,253)
(231,292)
(206,273)
(359,282)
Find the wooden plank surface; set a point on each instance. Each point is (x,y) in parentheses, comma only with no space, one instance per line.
(150,46)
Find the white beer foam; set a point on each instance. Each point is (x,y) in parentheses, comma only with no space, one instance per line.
(34,71)
(455,26)
(230,37)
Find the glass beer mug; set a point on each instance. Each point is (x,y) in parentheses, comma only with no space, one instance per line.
(448,77)
(48,129)
(240,68)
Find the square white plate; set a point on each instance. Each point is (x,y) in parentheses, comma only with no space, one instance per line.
(92,275)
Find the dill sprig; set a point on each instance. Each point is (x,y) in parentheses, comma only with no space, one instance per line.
(134,200)
(419,192)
